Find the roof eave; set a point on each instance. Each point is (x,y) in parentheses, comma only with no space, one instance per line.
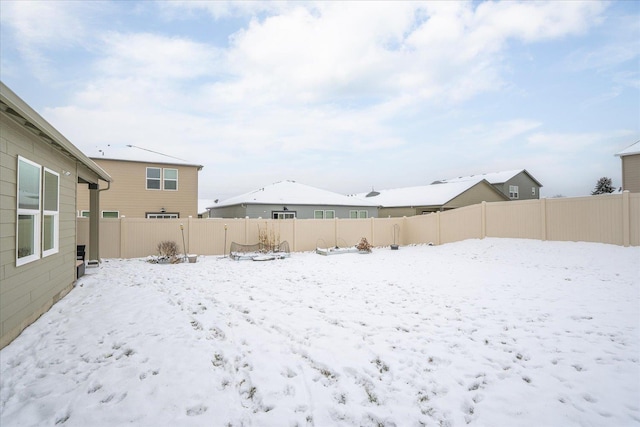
(33,120)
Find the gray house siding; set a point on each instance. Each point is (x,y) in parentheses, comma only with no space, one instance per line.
(525,185)
(301,211)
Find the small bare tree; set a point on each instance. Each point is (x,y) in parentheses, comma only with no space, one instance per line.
(268,238)
(168,250)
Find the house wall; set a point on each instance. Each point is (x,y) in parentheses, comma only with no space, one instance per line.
(631,173)
(474,195)
(129,196)
(29,290)
(479,193)
(524,183)
(302,211)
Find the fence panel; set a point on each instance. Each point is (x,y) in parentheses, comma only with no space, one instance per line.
(515,219)
(312,233)
(109,248)
(634,219)
(383,231)
(585,219)
(351,231)
(460,224)
(421,229)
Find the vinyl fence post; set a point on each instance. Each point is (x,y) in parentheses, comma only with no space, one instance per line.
(543,219)
(483,219)
(438,228)
(626,220)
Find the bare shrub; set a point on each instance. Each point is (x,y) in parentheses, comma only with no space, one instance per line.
(364,245)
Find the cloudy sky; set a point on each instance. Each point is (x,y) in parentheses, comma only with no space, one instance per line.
(344,96)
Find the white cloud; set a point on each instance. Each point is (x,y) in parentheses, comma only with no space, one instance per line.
(156,57)
(41,27)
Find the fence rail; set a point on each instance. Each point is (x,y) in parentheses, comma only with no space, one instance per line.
(613,219)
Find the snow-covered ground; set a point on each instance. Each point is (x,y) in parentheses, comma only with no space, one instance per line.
(493,332)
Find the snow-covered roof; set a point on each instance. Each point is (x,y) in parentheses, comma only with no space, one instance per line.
(425,195)
(492,177)
(132,153)
(293,193)
(632,149)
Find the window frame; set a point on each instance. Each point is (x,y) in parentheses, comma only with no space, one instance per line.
(165,179)
(36,214)
(358,214)
(283,215)
(533,191)
(55,214)
(161,215)
(110,211)
(147,179)
(514,192)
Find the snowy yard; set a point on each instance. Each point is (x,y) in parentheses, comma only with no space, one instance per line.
(493,332)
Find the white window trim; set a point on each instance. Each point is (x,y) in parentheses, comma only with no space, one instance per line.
(162,216)
(514,192)
(284,215)
(146,179)
(332,212)
(107,210)
(81,214)
(533,191)
(164,180)
(316,212)
(358,214)
(55,214)
(37,217)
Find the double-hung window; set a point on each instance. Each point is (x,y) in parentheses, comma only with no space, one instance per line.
(513,191)
(28,227)
(153,178)
(162,179)
(38,224)
(358,214)
(320,214)
(170,179)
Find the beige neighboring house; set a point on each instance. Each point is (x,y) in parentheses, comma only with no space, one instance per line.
(410,201)
(630,158)
(515,184)
(39,172)
(149,188)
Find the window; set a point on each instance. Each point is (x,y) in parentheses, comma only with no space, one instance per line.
(513,191)
(329,214)
(358,214)
(283,215)
(84,214)
(162,179)
(28,224)
(153,178)
(170,179)
(163,215)
(50,213)
(533,191)
(110,214)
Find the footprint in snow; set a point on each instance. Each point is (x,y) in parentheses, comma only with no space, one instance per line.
(196,410)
